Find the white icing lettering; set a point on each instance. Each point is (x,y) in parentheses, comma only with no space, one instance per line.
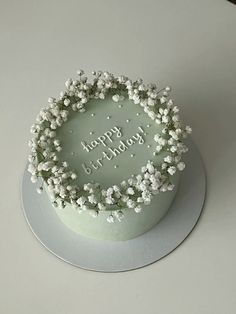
(108,135)
(114,151)
(94,166)
(102,140)
(130,141)
(138,138)
(111,152)
(94,143)
(117,131)
(109,157)
(86,147)
(141,129)
(86,169)
(122,147)
(99,161)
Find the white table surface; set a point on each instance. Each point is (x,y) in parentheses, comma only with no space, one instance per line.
(190,45)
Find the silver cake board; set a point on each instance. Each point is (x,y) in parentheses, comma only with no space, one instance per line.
(118,256)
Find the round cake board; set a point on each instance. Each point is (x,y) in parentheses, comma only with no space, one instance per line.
(118,256)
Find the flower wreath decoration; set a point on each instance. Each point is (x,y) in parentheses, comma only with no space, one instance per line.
(132,193)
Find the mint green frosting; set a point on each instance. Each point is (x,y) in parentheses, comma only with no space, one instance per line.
(101,117)
(82,124)
(132,225)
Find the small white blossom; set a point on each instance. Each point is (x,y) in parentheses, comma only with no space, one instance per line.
(181,166)
(188,129)
(158,148)
(32,169)
(34,178)
(109,200)
(110,191)
(150,168)
(175,109)
(116,98)
(101,206)
(81,200)
(40,190)
(138,209)
(168,159)
(93,213)
(163,100)
(156,137)
(92,199)
(130,191)
(73,176)
(130,203)
(171,170)
(111,219)
(119,215)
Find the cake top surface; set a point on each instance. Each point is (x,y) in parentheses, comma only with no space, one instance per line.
(108,144)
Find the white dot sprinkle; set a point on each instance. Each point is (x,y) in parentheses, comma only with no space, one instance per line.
(128,120)
(108,117)
(92,114)
(115,166)
(154,153)
(148,125)
(149,146)
(91,133)
(120,106)
(137,114)
(132,155)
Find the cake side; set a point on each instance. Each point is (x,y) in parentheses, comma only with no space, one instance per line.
(132,226)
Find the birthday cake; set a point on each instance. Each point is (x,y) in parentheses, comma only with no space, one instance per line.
(108,153)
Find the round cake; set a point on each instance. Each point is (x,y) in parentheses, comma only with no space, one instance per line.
(108,152)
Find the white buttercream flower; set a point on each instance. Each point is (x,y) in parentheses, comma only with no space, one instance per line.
(111,218)
(168,159)
(101,206)
(81,200)
(110,191)
(109,200)
(130,203)
(138,209)
(34,178)
(116,98)
(31,169)
(150,168)
(73,176)
(92,199)
(93,213)
(119,215)
(171,170)
(181,166)
(151,102)
(188,129)
(151,114)
(140,200)
(175,109)
(40,190)
(130,191)
(163,100)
